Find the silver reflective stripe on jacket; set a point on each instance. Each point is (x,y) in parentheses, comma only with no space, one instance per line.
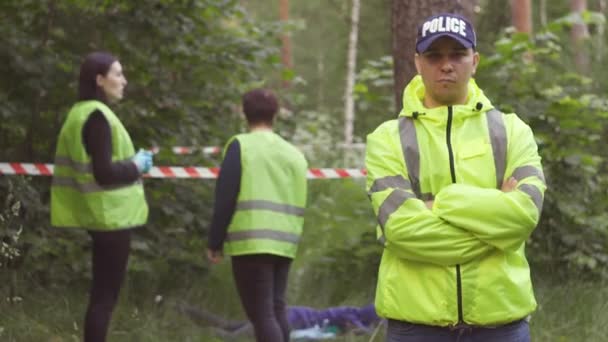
(272,206)
(76,166)
(498,138)
(391,204)
(389,182)
(89,187)
(411,155)
(411,151)
(83,168)
(268,234)
(534,193)
(528,171)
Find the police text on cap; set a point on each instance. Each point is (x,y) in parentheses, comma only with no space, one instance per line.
(444,24)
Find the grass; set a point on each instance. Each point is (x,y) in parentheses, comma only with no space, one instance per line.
(572,311)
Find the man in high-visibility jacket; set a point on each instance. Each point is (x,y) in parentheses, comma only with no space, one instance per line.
(457,187)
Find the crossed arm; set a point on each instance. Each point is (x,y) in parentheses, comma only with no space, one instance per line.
(465,222)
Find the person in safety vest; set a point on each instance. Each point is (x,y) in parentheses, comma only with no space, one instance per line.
(258,216)
(457,187)
(97,183)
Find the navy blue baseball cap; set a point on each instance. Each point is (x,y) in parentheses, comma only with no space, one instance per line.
(445,25)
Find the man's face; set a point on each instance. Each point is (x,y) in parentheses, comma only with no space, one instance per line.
(446,67)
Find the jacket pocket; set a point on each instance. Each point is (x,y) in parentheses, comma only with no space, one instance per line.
(473,149)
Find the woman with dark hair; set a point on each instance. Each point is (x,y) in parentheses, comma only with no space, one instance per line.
(260,198)
(97,184)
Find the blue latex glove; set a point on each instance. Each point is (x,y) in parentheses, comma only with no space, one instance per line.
(143,161)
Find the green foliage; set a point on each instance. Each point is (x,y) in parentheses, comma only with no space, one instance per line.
(567,111)
(533,76)
(187,63)
(9,231)
(339,256)
(373,93)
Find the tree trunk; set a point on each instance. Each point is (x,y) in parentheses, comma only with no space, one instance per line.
(578,35)
(601,7)
(406,15)
(285,39)
(349,101)
(542,8)
(469,8)
(521,15)
(33,125)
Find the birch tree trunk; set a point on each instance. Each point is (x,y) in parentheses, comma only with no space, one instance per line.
(349,101)
(601,7)
(578,36)
(285,39)
(542,8)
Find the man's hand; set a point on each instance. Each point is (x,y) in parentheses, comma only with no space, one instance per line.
(214,256)
(509,185)
(429,204)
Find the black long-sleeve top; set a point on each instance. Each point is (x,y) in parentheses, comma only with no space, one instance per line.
(97,139)
(226,193)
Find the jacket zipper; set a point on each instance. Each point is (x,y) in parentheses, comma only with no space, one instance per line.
(453,174)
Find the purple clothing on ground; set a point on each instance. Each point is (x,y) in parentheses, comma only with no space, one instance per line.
(343,317)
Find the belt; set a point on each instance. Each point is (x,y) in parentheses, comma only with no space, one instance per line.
(469,327)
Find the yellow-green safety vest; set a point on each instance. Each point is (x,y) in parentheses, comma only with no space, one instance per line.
(77,201)
(464,260)
(270,205)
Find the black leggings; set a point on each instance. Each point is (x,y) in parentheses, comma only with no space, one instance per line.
(261,280)
(110,255)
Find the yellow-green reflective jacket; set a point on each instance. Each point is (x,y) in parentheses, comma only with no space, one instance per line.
(77,201)
(270,206)
(464,260)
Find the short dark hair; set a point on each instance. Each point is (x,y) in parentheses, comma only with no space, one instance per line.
(260,106)
(95,63)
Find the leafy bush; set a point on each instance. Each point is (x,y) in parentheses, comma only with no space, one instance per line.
(186,72)
(534,77)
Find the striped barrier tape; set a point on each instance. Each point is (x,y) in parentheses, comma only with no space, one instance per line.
(217,149)
(190,149)
(40,169)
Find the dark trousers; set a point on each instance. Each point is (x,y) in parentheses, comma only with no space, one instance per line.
(261,281)
(110,255)
(399,331)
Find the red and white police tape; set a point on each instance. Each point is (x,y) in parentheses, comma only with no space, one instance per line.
(190,149)
(217,149)
(39,169)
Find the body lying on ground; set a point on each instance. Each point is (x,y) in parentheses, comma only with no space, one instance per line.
(334,320)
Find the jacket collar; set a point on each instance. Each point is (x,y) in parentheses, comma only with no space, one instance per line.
(413,106)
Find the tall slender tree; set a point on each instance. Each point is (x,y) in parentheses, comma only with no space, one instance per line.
(578,35)
(351,64)
(542,8)
(521,15)
(286,40)
(405,18)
